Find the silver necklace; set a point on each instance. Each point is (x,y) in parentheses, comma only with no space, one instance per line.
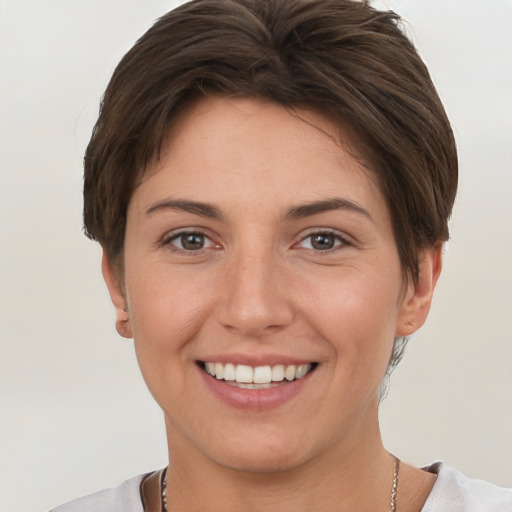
(394,488)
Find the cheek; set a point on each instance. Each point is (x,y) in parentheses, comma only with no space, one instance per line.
(167,311)
(356,313)
(164,303)
(164,320)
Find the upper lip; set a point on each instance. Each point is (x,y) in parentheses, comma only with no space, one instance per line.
(255,360)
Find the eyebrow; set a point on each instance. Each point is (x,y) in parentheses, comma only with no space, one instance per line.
(316,207)
(210,211)
(197,208)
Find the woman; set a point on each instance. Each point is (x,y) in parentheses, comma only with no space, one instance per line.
(271,183)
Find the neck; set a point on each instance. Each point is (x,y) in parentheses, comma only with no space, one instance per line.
(356,475)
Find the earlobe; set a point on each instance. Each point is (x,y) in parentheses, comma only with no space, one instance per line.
(117,296)
(416,303)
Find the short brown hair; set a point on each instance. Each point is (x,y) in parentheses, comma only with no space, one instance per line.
(340,57)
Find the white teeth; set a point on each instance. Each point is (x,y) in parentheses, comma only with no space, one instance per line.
(210,368)
(278,373)
(242,373)
(262,375)
(267,385)
(248,375)
(219,370)
(289,373)
(301,371)
(229,372)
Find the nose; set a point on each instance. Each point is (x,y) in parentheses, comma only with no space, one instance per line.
(255,300)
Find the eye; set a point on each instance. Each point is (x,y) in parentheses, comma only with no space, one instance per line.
(189,241)
(322,241)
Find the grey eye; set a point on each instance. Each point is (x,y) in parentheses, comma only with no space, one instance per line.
(188,241)
(322,241)
(191,241)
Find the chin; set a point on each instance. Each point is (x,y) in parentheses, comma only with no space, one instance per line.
(261,453)
(261,463)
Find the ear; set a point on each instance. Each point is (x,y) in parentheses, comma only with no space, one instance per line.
(123,325)
(418,298)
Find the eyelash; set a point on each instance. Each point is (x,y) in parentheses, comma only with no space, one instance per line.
(339,241)
(177,236)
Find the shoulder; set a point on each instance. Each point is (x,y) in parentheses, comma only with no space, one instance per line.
(122,498)
(455,492)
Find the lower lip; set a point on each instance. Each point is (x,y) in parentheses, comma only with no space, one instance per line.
(255,399)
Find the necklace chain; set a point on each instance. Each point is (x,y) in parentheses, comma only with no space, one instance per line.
(394,488)
(164,491)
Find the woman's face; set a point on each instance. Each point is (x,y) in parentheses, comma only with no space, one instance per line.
(259,250)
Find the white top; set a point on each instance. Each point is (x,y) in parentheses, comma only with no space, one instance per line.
(452,492)
(455,492)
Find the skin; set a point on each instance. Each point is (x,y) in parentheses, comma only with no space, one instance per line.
(255,286)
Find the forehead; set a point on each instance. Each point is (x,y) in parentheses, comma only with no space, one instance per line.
(210,121)
(256,147)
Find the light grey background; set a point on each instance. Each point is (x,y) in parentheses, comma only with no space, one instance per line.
(75,414)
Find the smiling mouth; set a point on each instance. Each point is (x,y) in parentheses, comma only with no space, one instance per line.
(256,377)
